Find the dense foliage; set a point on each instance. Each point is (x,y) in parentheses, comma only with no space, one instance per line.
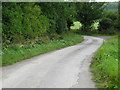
(87,13)
(23,21)
(109,23)
(41,21)
(26,21)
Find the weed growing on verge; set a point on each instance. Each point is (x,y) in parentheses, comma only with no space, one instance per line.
(19,53)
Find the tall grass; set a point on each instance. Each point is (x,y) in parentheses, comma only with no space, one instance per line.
(105,64)
(18,53)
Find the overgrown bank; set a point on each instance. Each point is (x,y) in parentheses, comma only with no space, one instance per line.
(105,64)
(18,53)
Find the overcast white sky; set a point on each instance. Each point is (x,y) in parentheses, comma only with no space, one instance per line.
(107,0)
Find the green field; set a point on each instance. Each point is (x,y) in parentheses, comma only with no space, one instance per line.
(77,25)
(105,64)
(18,53)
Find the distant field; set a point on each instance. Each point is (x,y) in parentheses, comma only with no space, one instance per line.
(77,25)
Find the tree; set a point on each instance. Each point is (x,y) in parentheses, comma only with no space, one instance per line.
(34,22)
(113,16)
(109,21)
(105,24)
(12,21)
(88,12)
(61,15)
(23,21)
(70,13)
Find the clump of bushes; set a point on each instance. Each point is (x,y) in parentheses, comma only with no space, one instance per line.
(23,22)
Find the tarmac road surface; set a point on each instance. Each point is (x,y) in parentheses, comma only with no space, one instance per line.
(64,68)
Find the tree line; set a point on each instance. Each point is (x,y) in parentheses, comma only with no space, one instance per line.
(25,21)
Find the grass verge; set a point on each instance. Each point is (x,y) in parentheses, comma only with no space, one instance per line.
(105,64)
(19,53)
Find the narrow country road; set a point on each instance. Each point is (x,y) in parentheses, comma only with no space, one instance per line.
(64,68)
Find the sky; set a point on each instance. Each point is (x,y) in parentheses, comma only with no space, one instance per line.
(107,0)
(95,0)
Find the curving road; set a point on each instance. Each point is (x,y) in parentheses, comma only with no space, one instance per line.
(64,68)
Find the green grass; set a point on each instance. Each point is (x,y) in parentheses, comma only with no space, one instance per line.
(0,60)
(19,53)
(0,54)
(105,64)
